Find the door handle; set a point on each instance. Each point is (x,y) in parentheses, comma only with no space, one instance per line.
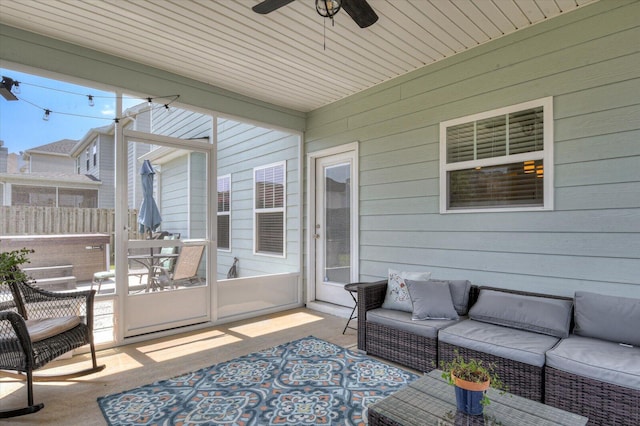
(316,236)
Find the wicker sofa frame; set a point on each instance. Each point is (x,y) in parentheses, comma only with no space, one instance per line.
(399,346)
(602,403)
(520,379)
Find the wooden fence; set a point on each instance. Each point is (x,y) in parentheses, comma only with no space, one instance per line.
(33,220)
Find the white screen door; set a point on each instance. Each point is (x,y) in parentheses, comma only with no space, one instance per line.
(335,227)
(167,283)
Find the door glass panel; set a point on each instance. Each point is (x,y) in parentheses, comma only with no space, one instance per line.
(337,235)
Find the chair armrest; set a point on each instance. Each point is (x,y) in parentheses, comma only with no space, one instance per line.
(15,343)
(39,303)
(370,296)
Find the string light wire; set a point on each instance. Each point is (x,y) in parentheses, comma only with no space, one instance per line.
(48,111)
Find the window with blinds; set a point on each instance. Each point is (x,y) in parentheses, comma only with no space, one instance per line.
(270,206)
(224,212)
(498,160)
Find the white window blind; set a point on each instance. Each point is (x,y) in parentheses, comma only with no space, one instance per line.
(224,212)
(498,160)
(270,204)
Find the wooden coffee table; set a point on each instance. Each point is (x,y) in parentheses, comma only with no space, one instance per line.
(431,401)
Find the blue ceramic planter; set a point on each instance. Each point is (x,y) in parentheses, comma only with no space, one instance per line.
(469,402)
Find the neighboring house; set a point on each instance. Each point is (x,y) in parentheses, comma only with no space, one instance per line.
(52,157)
(255,166)
(94,155)
(4,158)
(49,179)
(73,173)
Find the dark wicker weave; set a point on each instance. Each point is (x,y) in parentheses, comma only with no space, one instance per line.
(430,400)
(519,378)
(408,349)
(402,347)
(602,403)
(20,301)
(370,296)
(377,419)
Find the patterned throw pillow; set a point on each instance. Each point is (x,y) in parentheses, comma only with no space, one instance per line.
(397,296)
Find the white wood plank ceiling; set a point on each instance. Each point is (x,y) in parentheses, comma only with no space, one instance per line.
(279,58)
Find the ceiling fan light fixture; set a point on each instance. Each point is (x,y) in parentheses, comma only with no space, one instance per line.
(328,8)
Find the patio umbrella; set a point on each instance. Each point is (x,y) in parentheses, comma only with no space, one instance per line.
(149,215)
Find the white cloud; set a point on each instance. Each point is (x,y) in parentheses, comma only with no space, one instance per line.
(108,110)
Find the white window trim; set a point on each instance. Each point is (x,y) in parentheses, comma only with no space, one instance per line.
(224,213)
(282,209)
(546,155)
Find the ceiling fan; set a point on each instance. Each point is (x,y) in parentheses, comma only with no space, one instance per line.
(359,10)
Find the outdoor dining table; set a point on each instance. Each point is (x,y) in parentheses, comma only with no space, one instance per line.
(150,261)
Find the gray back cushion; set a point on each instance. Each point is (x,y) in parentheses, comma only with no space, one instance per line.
(460,295)
(532,313)
(612,318)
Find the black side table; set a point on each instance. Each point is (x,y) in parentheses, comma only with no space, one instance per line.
(352,288)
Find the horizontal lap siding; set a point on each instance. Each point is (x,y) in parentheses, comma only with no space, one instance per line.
(174,196)
(241,147)
(589,61)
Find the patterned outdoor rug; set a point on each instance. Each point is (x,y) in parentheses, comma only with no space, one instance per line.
(304,382)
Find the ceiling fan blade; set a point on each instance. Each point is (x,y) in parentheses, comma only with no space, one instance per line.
(360,11)
(269,6)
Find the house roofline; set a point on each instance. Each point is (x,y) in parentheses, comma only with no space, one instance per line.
(52,180)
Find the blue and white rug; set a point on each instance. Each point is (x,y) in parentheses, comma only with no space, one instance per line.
(304,382)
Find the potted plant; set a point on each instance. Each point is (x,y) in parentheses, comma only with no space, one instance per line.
(471,379)
(10,262)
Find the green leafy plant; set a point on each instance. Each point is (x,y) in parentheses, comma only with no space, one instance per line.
(10,262)
(472,370)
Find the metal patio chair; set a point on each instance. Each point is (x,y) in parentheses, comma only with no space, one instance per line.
(185,268)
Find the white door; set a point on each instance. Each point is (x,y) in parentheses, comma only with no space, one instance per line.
(178,248)
(335,232)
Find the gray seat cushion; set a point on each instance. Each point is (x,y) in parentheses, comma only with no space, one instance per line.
(597,359)
(402,321)
(510,343)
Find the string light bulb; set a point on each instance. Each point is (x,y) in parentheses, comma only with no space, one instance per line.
(10,87)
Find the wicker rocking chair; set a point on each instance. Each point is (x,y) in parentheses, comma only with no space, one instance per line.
(37,326)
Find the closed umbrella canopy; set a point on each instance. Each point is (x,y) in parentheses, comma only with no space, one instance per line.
(149,215)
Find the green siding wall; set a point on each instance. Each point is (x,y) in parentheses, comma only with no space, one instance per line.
(589,61)
(241,147)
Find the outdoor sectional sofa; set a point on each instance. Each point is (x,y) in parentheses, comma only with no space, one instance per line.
(580,354)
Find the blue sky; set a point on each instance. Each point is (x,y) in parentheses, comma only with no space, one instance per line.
(21,123)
